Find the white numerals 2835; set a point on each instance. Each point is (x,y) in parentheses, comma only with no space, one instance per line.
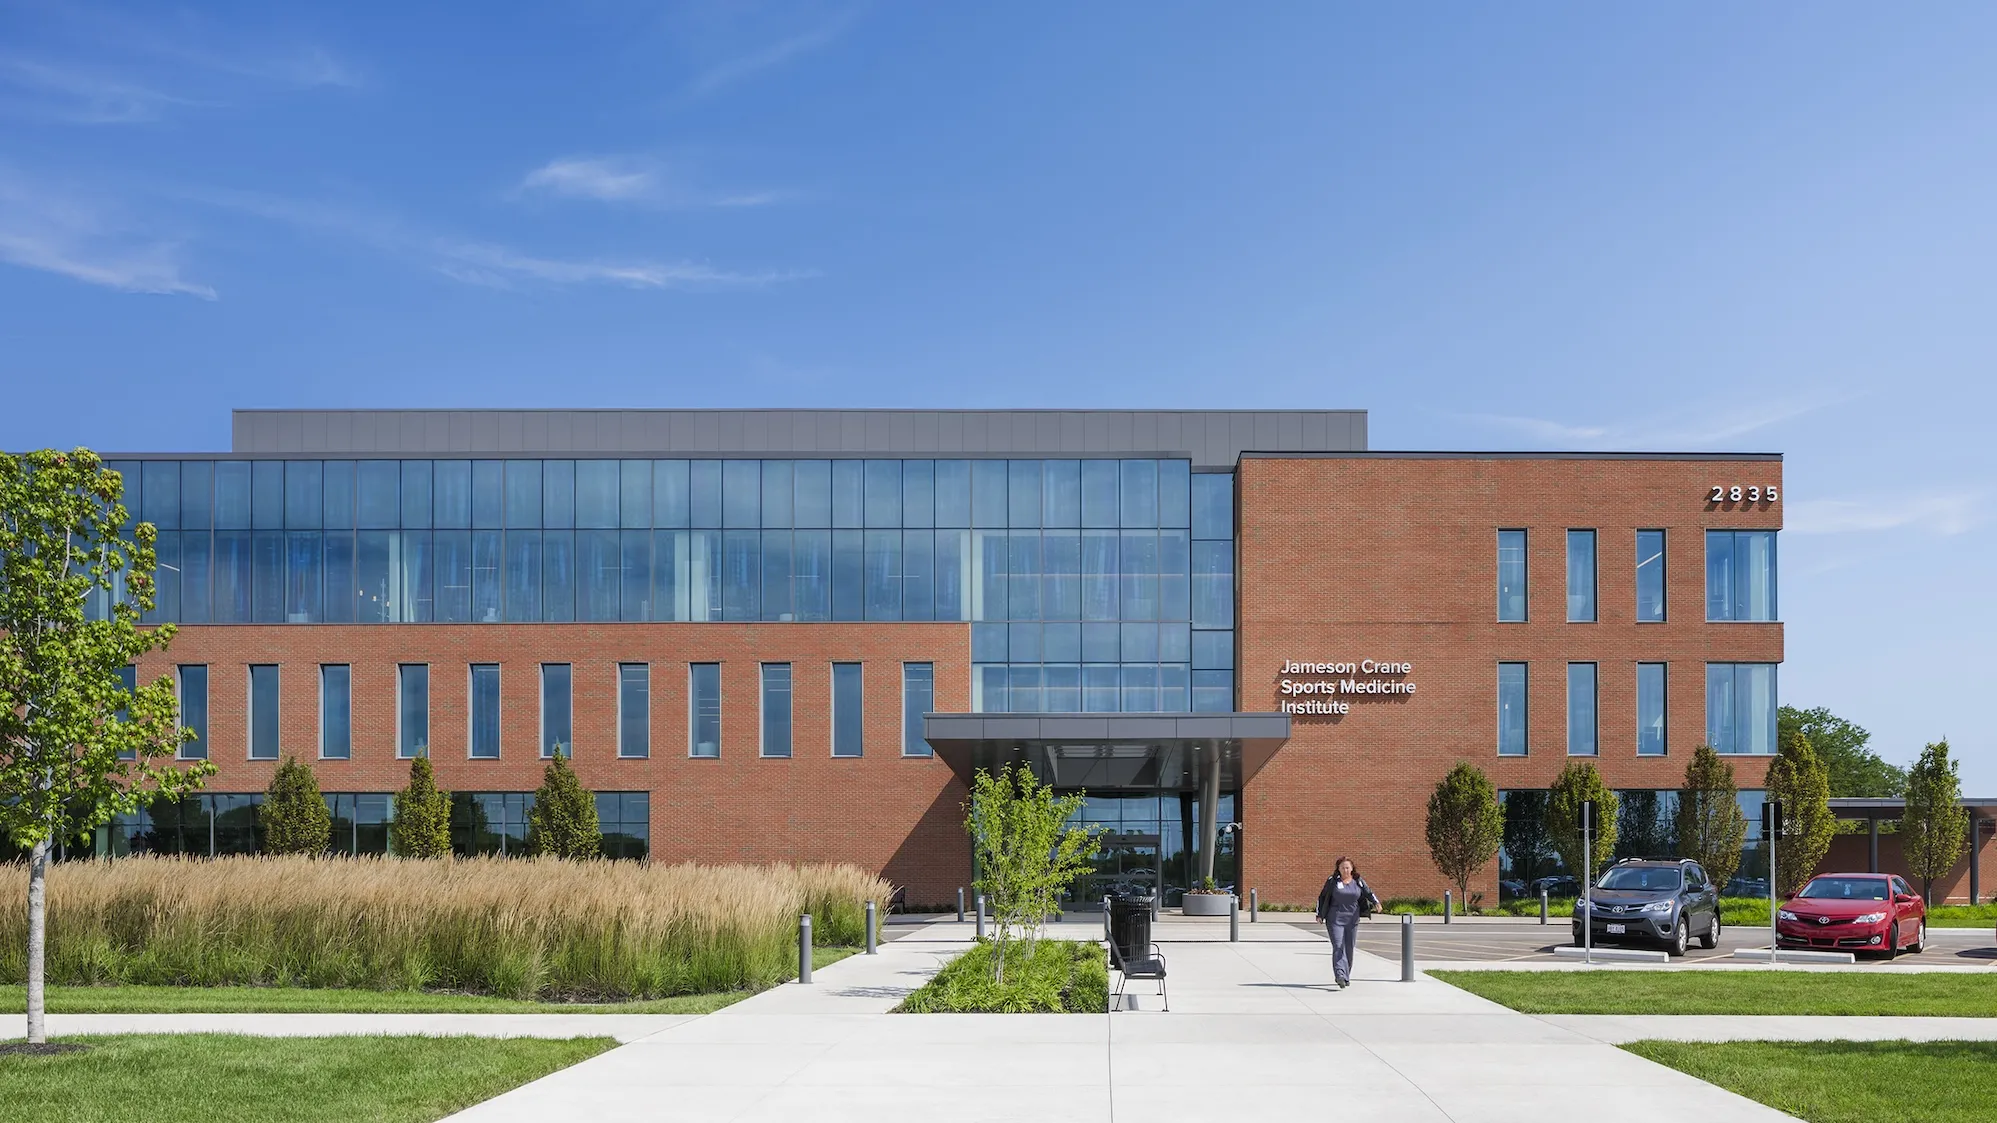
(1738,494)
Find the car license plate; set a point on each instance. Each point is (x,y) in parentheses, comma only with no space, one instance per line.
(1616,929)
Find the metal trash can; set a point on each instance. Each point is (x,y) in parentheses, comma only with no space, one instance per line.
(1130,926)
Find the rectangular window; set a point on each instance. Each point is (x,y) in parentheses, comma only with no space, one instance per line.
(1581,576)
(557,713)
(1650,679)
(485,711)
(128,681)
(634,709)
(847,711)
(1649,576)
(776,710)
(918,697)
(1740,708)
(1511,709)
(412,710)
(1511,575)
(336,712)
(263,711)
(1740,575)
(625,818)
(704,710)
(192,687)
(1581,709)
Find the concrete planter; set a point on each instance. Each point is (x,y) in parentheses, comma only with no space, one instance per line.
(1207,904)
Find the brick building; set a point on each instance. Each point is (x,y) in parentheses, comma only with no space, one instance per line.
(793,634)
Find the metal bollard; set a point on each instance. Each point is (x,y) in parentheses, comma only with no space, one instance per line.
(873,926)
(1233,919)
(804,948)
(1106,931)
(981,916)
(1542,906)
(1447,902)
(1254,906)
(1407,947)
(960,904)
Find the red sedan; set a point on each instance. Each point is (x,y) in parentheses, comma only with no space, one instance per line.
(1854,912)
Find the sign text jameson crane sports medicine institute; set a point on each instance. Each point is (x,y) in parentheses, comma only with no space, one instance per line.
(1368,677)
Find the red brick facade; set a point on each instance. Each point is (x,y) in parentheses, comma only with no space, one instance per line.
(1394,558)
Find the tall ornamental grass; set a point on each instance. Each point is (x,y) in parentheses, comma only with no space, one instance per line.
(535,928)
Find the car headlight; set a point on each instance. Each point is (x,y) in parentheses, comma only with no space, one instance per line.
(1580,906)
(1658,906)
(1871,918)
(1785,914)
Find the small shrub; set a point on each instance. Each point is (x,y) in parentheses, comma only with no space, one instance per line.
(421,827)
(294,816)
(562,822)
(1046,976)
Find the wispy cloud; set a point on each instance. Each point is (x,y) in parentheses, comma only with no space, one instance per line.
(80,96)
(642,180)
(1945,513)
(54,231)
(771,55)
(1687,431)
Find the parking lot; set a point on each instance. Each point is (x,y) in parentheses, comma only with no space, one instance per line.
(1495,940)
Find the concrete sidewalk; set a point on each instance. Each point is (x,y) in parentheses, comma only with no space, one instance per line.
(1254,1026)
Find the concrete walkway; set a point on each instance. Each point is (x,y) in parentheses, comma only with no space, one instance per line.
(623,1027)
(1253,1026)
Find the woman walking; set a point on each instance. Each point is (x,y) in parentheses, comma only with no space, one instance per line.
(1343,900)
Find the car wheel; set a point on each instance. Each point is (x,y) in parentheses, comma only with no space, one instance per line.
(1680,939)
(1711,939)
(1892,940)
(1920,943)
(1578,942)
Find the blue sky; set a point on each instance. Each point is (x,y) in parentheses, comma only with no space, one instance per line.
(1497,227)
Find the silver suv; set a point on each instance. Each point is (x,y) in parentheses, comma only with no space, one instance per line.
(1668,901)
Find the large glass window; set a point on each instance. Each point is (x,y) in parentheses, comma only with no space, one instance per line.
(412,710)
(1740,575)
(625,818)
(1581,576)
(776,732)
(634,709)
(336,713)
(557,711)
(1511,709)
(1650,705)
(485,711)
(191,684)
(263,712)
(1740,708)
(704,710)
(918,697)
(1649,576)
(848,712)
(1581,724)
(1511,575)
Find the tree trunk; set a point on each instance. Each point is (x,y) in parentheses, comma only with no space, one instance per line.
(38,871)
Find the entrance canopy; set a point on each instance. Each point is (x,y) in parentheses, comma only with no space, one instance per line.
(1110,751)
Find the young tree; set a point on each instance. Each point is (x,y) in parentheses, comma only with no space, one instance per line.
(1797,777)
(562,821)
(1852,768)
(1935,828)
(1527,846)
(1026,852)
(421,827)
(76,746)
(1576,784)
(294,815)
(1465,825)
(1711,828)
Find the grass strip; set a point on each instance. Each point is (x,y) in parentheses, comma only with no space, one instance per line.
(1847,1081)
(333,1000)
(1047,977)
(1837,993)
(226,1078)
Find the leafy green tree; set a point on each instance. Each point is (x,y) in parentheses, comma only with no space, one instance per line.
(1026,852)
(1576,784)
(562,821)
(1711,827)
(1465,825)
(421,827)
(1527,846)
(294,815)
(1852,768)
(77,747)
(1935,828)
(1798,778)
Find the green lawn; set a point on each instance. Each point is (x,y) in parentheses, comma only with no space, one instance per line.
(1931,994)
(309,1000)
(1848,1081)
(222,1078)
